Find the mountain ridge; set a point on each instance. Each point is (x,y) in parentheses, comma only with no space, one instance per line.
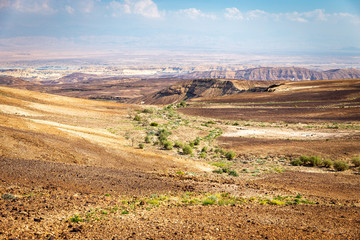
(277,73)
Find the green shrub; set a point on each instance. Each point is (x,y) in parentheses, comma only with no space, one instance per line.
(235,124)
(340,166)
(163,134)
(233,173)
(230,155)
(76,218)
(328,163)
(187,149)
(168,145)
(182,104)
(148,139)
(204,149)
(202,155)
(197,141)
(148,110)
(315,161)
(137,118)
(210,200)
(191,144)
(220,150)
(154,124)
(296,162)
(178,144)
(219,171)
(356,161)
(305,160)
(141,145)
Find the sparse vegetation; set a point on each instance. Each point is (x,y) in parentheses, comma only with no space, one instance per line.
(137,118)
(141,145)
(341,166)
(168,145)
(328,163)
(230,155)
(76,218)
(356,161)
(315,161)
(187,149)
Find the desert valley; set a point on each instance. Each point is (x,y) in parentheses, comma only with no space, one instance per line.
(177,157)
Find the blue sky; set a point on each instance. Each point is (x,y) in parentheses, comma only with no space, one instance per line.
(282,26)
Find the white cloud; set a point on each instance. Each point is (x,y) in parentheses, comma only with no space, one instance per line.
(30,6)
(351,17)
(233,13)
(304,17)
(69,9)
(251,15)
(194,13)
(4,3)
(145,8)
(87,6)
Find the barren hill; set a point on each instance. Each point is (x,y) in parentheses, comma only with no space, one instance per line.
(200,88)
(76,77)
(279,73)
(12,81)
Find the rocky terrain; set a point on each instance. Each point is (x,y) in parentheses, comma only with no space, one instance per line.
(186,90)
(212,168)
(278,73)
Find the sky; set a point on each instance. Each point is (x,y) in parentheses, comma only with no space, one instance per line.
(236,26)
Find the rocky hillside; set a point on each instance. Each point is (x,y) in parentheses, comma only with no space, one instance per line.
(279,73)
(201,88)
(12,81)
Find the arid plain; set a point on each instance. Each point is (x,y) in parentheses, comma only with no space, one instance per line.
(257,164)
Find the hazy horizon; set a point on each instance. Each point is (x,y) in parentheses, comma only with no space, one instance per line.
(90,29)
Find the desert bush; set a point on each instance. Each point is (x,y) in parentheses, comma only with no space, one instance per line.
(202,155)
(154,124)
(168,145)
(304,159)
(182,104)
(187,149)
(210,200)
(220,150)
(147,139)
(204,149)
(230,155)
(328,163)
(296,162)
(148,110)
(178,144)
(235,124)
(340,166)
(233,173)
(197,141)
(356,161)
(163,134)
(76,218)
(315,161)
(137,118)
(141,145)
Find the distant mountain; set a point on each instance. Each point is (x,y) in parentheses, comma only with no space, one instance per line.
(201,88)
(73,78)
(12,81)
(278,73)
